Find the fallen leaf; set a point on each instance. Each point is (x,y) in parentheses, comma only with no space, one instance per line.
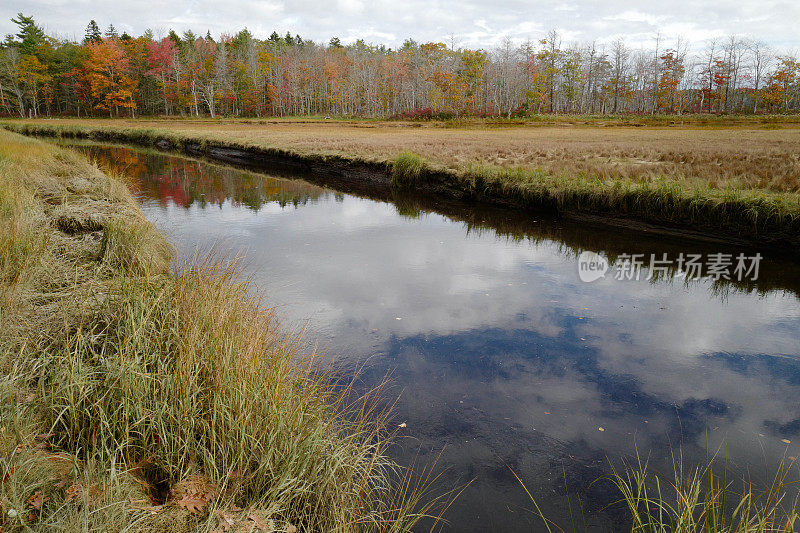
(9,473)
(193,493)
(260,523)
(786,441)
(600,429)
(75,492)
(194,503)
(37,500)
(227,520)
(291,529)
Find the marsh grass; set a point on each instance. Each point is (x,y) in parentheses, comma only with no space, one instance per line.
(690,499)
(406,168)
(704,498)
(692,179)
(139,398)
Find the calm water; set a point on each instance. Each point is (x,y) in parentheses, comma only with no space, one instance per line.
(501,357)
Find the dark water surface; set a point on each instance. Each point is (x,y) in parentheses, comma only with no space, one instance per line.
(502,358)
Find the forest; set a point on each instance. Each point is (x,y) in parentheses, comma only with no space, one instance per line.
(238,75)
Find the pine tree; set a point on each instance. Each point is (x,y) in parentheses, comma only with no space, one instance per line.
(30,35)
(92,33)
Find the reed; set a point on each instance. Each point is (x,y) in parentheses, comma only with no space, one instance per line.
(704,498)
(694,498)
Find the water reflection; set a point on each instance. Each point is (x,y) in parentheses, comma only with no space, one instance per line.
(499,354)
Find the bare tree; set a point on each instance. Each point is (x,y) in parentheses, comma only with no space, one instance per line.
(619,63)
(761,57)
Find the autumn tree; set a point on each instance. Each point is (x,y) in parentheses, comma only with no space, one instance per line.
(109,76)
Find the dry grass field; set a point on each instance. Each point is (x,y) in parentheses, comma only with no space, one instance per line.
(751,155)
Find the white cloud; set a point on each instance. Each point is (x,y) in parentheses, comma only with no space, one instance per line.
(391,22)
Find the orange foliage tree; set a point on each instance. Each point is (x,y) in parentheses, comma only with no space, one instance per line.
(109,77)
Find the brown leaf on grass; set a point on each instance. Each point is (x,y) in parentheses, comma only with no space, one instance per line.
(291,528)
(194,503)
(261,524)
(8,474)
(226,520)
(75,492)
(193,493)
(78,493)
(37,500)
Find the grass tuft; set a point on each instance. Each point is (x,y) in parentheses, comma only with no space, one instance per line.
(704,499)
(407,168)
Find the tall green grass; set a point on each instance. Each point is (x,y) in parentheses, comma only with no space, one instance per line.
(406,169)
(692,499)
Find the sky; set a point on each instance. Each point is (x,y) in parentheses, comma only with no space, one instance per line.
(465,23)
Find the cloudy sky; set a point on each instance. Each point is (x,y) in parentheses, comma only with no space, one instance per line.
(471,23)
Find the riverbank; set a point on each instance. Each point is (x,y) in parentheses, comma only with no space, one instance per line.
(138,398)
(732,183)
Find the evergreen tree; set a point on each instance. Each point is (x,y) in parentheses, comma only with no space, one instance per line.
(30,35)
(92,33)
(175,38)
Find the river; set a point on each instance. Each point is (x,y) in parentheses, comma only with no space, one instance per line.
(502,360)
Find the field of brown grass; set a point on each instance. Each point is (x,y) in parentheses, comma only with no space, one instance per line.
(749,155)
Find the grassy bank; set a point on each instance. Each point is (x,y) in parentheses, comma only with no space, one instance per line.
(139,399)
(737,183)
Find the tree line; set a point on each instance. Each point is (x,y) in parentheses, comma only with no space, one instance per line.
(108,74)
